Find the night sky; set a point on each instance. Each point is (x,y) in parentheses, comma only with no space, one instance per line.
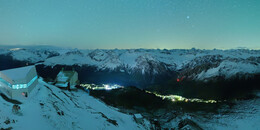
(107,24)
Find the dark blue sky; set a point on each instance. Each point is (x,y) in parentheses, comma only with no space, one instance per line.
(91,24)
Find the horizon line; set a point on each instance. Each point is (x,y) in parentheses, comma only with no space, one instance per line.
(55,46)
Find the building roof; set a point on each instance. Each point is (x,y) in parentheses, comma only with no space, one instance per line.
(138,116)
(17,73)
(64,76)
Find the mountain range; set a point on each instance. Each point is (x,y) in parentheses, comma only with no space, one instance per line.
(141,66)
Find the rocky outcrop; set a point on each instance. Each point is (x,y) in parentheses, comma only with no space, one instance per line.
(187,124)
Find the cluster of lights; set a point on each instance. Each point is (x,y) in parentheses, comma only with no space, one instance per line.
(15,49)
(101,87)
(177,98)
(110,87)
(173,98)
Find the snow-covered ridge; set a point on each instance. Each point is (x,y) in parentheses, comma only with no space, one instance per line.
(194,63)
(48,107)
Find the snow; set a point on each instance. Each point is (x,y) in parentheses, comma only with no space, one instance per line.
(17,73)
(129,58)
(228,69)
(62,84)
(81,111)
(25,55)
(243,115)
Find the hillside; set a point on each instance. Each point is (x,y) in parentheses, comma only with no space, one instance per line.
(48,107)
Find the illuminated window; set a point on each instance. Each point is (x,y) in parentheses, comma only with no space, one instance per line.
(19,86)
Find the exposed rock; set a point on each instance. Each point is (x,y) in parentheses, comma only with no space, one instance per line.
(7,121)
(16,108)
(9,128)
(188,124)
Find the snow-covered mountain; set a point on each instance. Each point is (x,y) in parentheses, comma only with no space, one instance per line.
(48,107)
(57,109)
(193,63)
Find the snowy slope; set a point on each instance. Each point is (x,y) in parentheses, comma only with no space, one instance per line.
(192,63)
(229,69)
(81,111)
(245,115)
(29,55)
